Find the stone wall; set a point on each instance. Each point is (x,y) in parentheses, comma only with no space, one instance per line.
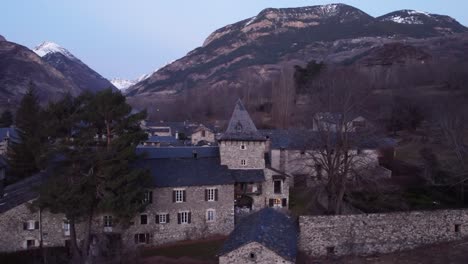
(252,253)
(196,204)
(232,154)
(379,233)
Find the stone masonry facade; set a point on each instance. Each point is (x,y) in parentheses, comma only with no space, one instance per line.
(379,233)
(21,224)
(252,152)
(195,203)
(252,253)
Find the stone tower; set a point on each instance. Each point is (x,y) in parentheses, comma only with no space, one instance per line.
(242,146)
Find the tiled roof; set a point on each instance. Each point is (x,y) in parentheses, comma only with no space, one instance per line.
(241,126)
(248,175)
(20,192)
(273,229)
(162,139)
(177,152)
(301,139)
(186,172)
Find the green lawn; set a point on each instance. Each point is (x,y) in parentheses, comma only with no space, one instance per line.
(201,249)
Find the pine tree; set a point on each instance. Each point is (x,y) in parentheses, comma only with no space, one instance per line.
(26,156)
(93,177)
(6,119)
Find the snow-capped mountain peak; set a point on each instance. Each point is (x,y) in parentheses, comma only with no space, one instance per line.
(122,84)
(408,17)
(48,47)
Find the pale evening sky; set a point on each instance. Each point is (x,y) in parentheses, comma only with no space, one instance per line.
(123,38)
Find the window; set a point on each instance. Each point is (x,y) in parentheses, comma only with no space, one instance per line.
(211,194)
(210,215)
(277,186)
(143,238)
(252,256)
(243,147)
(274,202)
(162,218)
(107,221)
(143,219)
(30,243)
(302,152)
(184,217)
(148,198)
(330,250)
(178,196)
(66,227)
(203,133)
(277,202)
(457,228)
(243,162)
(31,225)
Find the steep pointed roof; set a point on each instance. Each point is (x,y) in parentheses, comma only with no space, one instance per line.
(241,126)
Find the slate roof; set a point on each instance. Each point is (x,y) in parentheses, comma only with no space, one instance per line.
(150,152)
(301,139)
(162,139)
(186,172)
(20,192)
(9,131)
(241,126)
(248,175)
(273,229)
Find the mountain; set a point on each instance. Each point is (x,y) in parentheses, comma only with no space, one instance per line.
(122,84)
(255,49)
(19,67)
(2,38)
(82,76)
(431,22)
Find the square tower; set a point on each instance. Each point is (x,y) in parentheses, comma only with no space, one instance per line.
(242,146)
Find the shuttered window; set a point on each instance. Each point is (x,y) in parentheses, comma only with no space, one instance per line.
(184,217)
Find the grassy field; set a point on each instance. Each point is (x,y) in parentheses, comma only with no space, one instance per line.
(201,250)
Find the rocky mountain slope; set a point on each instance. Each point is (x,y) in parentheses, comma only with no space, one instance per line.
(51,69)
(19,67)
(254,49)
(83,77)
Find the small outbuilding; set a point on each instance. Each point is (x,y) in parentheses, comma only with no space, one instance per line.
(267,236)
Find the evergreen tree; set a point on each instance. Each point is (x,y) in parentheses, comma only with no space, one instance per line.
(92,177)
(26,156)
(6,119)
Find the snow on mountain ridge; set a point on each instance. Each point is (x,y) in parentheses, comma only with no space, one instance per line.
(122,84)
(47,47)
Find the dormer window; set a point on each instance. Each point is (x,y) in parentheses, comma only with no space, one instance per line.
(239,127)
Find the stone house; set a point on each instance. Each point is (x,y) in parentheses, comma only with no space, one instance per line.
(203,135)
(292,152)
(7,136)
(267,236)
(191,198)
(326,121)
